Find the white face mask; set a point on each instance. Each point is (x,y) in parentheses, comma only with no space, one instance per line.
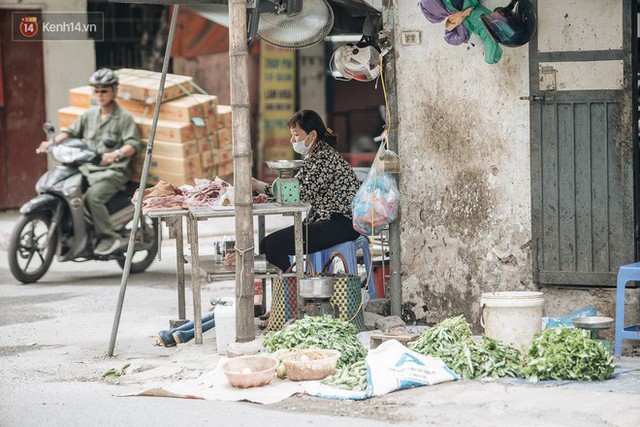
(300,147)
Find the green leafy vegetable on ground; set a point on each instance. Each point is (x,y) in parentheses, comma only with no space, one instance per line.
(319,332)
(442,336)
(115,372)
(451,341)
(482,359)
(567,354)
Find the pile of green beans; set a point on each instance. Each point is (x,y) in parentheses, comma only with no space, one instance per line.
(319,332)
(352,377)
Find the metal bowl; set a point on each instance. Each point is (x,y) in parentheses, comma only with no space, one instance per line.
(317,287)
(278,165)
(593,322)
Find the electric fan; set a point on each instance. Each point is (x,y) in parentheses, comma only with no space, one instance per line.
(289,24)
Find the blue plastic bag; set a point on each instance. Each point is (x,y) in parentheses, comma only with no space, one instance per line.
(554,322)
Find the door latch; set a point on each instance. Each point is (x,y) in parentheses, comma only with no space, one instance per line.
(536,98)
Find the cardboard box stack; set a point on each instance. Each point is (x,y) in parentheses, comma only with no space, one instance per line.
(193,134)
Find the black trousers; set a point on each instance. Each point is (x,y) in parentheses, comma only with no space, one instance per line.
(321,235)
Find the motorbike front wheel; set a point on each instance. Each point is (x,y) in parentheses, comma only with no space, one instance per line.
(30,248)
(146,246)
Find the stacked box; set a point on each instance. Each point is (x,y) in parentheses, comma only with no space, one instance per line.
(224,117)
(185,109)
(187,132)
(68,115)
(142,85)
(81,97)
(223,155)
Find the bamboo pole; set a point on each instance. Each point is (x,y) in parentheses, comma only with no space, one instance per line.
(242,159)
(143,183)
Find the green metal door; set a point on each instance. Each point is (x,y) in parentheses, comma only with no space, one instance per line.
(583,140)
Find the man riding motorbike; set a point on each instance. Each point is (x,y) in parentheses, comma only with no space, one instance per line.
(111,132)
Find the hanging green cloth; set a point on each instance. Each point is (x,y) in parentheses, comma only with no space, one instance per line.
(473,24)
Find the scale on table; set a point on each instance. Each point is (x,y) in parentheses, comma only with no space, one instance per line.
(286,188)
(316,293)
(593,324)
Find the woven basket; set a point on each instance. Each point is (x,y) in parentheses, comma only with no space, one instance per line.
(310,364)
(249,371)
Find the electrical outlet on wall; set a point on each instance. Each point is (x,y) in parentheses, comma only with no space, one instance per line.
(411,37)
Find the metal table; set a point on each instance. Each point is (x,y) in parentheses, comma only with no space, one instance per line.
(214,272)
(173,220)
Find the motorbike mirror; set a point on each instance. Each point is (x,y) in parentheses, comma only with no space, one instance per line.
(109,143)
(48,128)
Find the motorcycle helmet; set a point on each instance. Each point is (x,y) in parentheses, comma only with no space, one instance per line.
(509,28)
(103,77)
(354,62)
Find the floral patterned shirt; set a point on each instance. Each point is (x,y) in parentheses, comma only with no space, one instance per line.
(327,182)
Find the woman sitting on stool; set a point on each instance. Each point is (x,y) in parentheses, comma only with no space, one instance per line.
(327,182)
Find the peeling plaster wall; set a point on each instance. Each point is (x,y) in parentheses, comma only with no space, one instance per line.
(464,148)
(463,138)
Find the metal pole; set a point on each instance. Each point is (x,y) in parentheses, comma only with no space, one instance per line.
(242,159)
(143,185)
(395,281)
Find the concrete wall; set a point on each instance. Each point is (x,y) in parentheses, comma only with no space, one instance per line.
(464,148)
(66,64)
(463,138)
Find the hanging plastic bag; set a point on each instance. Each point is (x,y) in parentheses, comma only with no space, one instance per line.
(375,205)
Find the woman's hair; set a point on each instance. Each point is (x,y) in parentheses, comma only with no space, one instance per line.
(309,121)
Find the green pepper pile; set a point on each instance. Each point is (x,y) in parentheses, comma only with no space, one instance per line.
(567,354)
(451,341)
(319,332)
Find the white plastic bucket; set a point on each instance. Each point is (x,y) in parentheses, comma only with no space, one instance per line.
(512,317)
(225,316)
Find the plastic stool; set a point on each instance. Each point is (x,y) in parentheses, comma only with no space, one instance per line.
(626,273)
(348,249)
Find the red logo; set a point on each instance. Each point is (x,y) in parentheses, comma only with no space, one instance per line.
(29,26)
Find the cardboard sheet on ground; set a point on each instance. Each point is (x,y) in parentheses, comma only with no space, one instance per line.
(213,385)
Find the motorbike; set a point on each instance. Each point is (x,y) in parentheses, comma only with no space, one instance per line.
(57,221)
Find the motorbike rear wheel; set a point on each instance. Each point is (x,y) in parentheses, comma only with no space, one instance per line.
(30,249)
(146,246)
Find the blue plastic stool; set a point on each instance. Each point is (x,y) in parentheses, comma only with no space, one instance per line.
(348,250)
(626,273)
